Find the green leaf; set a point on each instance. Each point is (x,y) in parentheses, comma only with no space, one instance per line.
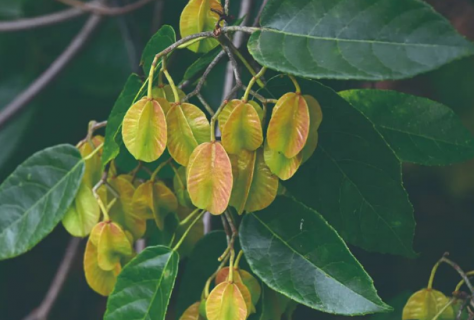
(144,286)
(355,39)
(35,197)
(419,130)
(161,40)
(113,135)
(354,179)
(200,266)
(201,63)
(301,256)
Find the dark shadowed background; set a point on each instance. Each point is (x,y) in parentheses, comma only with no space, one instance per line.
(443,197)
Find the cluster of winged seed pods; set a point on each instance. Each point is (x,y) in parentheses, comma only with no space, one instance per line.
(233,297)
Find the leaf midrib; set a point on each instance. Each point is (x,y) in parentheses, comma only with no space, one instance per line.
(304,258)
(364,41)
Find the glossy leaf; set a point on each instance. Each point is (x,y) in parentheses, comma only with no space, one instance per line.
(242,130)
(316,117)
(354,180)
(162,39)
(419,130)
(101,281)
(210,177)
(274,305)
(226,302)
(166,92)
(281,166)
(144,130)
(113,135)
(288,128)
(277,244)
(363,39)
(144,286)
(198,17)
(35,197)
(192,313)
(426,304)
(200,266)
(187,128)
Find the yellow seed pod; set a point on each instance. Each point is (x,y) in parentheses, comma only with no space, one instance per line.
(226,302)
(426,304)
(209,177)
(244,277)
(166,92)
(283,167)
(316,117)
(188,127)
(144,129)
(198,17)
(242,130)
(101,281)
(288,128)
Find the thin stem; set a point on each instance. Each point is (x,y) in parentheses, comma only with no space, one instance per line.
(93,153)
(460,284)
(164,67)
(433,274)
(245,63)
(239,257)
(209,280)
(103,10)
(158,169)
(180,242)
(226,7)
(252,82)
(259,15)
(460,271)
(190,217)
(150,82)
(444,309)
(240,29)
(295,83)
(205,104)
(231,265)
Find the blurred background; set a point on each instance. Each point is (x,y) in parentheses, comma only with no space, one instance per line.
(443,197)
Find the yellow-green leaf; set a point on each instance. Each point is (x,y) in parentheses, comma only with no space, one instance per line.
(288,128)
(226,302)
(210,177)
(198,17)
(112,245)
(283,167)
(144,130)
(101,281)
(187,128)
(230,107)
(315,117)
(242,130)
(93,166)
(426,304)
(83,214)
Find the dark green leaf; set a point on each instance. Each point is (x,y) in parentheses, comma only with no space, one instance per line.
(297,253)
(35,197)
(113,135)
(200,266)
(162,39)
(419,130)
(354,179)
(355,39)
(144,286)
(201,63)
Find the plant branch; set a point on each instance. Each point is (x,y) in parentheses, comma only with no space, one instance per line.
(259,15)
(104,10)
(17,105)
(42,312)
(42,21)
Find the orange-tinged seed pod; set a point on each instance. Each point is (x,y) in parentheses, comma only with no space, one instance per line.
(288,128)
(244,277)
(192,313)
(210,177)
(316,117)
(144,129)
(226,302)
(283,167)
(101,281)
(187,128)
(426,304)
(242,130)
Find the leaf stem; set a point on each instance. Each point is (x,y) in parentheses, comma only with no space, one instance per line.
(295,83)
(93,153)
(189,217)
(180,242)
(158,169)
(239,257)
(209,280)
(254,79)
(460,284)
(164,68)
(245,63)
(433,274)
(443,309)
